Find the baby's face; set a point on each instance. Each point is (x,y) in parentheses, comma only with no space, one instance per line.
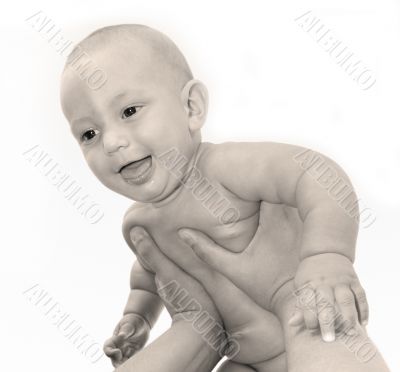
(125,125)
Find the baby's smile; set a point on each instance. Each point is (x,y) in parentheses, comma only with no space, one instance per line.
(147,106)
(139,171)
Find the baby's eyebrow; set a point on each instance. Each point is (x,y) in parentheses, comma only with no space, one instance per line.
(77,124)
(118,97)
(133,92)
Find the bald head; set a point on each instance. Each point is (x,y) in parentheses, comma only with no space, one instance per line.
(128,37)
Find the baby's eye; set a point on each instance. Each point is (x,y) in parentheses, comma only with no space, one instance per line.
(88,135)
(129,111)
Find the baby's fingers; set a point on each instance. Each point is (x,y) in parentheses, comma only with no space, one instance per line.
(362,303)
(297,319)
(306,304)
(310,313)
(126,330)
(111,350)
(347,307)
(326,312)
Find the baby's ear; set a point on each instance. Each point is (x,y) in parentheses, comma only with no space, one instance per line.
(194,97)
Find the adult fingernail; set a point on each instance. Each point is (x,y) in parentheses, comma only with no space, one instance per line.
(137,234)
(186,236)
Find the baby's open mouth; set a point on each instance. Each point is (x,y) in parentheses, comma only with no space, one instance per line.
(138,171)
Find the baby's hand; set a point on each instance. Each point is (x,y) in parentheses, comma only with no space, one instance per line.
(130,335)
(329,295)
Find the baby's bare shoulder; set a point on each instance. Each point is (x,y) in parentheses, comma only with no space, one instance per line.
(228,156)
(220,152)
(214,154)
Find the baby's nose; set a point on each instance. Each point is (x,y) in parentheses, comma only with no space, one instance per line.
(113,141)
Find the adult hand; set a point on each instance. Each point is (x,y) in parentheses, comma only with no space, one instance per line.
(253,334)
(172,282)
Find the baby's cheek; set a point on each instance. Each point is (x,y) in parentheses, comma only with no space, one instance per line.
(100,168)
(92,162)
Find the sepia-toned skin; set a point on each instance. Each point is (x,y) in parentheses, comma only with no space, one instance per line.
(308,239)
(254,329)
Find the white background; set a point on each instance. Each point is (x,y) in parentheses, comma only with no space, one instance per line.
(268,80)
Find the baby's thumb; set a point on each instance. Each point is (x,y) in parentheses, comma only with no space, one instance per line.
(126,330)
(111,350)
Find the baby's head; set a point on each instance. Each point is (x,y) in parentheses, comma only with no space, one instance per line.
(148,105)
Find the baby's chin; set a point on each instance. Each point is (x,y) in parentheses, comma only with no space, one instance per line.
(154,190)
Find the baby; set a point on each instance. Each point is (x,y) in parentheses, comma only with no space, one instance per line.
(140,135)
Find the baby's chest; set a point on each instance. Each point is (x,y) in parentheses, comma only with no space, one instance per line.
(228,220)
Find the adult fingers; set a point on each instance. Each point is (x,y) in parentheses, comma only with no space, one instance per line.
(166,269)
(169,278)
(219,258)
(180,292)
(148,250)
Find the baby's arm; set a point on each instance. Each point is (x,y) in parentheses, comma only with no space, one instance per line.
(140,314)
(291,175)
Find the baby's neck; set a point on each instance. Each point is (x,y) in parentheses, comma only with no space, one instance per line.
(182,169)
